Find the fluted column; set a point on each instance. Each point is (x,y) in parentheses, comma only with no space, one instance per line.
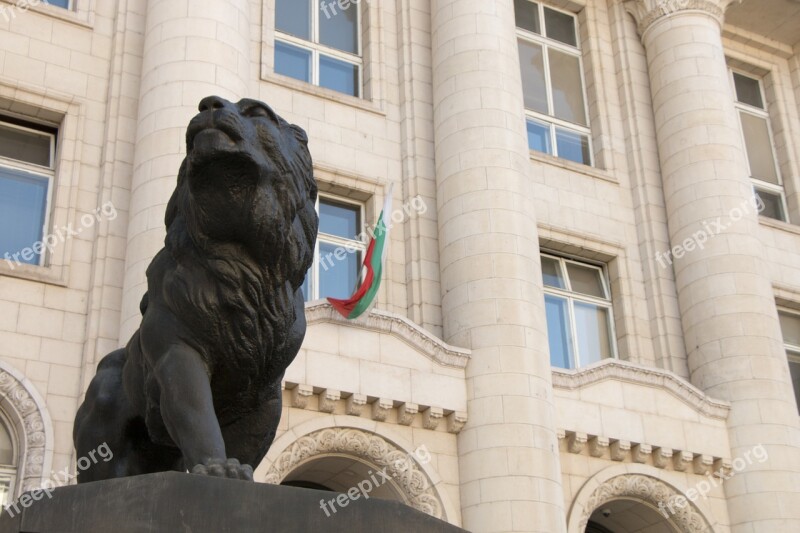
(490,271)
(192,49)
(730,325)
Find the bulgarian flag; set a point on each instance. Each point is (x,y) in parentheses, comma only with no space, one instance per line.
(364,296)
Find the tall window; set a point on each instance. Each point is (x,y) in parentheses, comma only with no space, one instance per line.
(759,147)
(790,326)
(318,42)
(579,318)
(552,82)
(339,251)
(8,471)
(27,155)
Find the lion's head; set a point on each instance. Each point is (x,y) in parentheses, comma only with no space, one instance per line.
(247,180)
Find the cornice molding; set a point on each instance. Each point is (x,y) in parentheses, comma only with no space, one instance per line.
(615,369)
(399,326)
(647,12)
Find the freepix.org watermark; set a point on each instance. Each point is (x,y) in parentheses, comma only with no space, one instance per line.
(710,229)
(60,235)
(415,206)
(329,8)
(10,12)
(376,479)
(714,479)
(59,479)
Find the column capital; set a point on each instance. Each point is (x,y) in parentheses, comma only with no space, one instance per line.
(647,12)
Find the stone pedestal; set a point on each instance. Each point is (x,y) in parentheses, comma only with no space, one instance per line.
(169,502)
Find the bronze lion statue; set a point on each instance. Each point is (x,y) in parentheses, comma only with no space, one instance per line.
(198,387)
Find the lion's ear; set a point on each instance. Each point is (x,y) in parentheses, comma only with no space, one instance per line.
(299,133)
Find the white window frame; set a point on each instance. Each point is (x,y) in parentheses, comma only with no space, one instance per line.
(38,170)
(327,238)
(575,51)
(9,471)
(761,113)
(316,48)
(792,350)
(571,297)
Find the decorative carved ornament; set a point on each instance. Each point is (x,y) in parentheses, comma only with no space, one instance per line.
(646,12)
(615,369)
(399,326)
(33,442)
(399,465)
(651,490)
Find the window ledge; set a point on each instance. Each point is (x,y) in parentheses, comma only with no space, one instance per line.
(322,92)
(50,275)
(777,224)
(566,164)
(67,15)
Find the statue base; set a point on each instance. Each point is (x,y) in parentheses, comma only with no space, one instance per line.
(169,502)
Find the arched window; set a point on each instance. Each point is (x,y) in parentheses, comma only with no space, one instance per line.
(8,469)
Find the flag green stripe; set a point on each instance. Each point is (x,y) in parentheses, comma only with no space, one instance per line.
(377,268)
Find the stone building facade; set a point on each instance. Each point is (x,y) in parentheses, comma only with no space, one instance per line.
(590,315)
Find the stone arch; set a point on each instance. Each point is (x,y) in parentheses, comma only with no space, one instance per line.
(633,482)
(26,411)
(412,475)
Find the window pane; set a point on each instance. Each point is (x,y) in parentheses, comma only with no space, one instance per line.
(759,148)
(339,219)
(59,3)
(338,75)
(338,28)
(306,287)
(790,326)
(292,61)
(573,146)
(6,446)
(5,486)
(294,17)
(794,370)
(551,273)
(23,200)
(772,205)
(565,76)
(560,26)
(748,90)
(531,64)
(527,14)
(27,146)
(558,331)
(592,326)
(539,137)
(586,280)
(338,271)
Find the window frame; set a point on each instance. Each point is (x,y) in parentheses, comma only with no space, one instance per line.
(10,471)
(742,107)
(571,296)
(550,120)
(327,238)
(792,350)
(37,170)
(316,48)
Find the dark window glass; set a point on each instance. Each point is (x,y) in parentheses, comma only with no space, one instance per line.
(23,201)
(339,29)
(293,17)
(27,146)
(748,90)
(292,61)
(560,26)
(338,75)
(527,15)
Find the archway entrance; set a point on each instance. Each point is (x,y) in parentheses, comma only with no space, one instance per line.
(339,473)
(629,516)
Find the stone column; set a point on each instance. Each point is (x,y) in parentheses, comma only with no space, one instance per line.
(490,271)
(192,49)
(733,339)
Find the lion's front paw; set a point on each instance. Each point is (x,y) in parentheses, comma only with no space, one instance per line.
(229,468)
